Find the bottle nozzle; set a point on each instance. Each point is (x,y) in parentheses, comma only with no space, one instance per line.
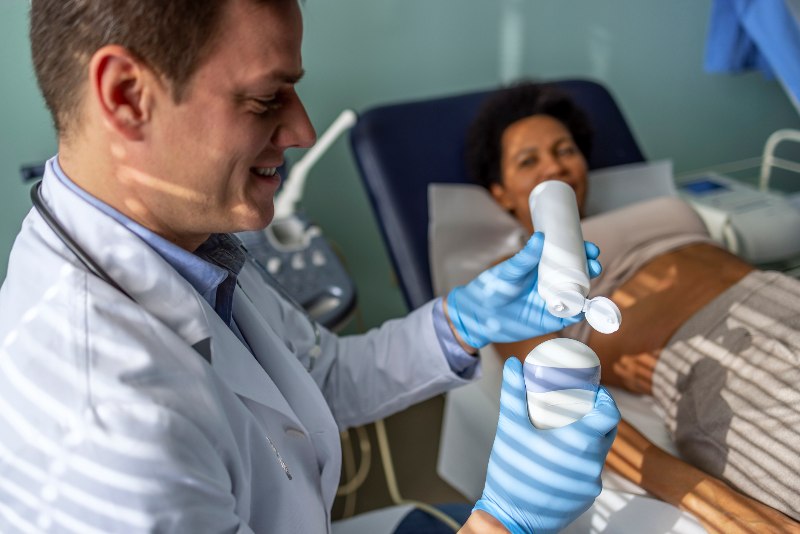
(565,303)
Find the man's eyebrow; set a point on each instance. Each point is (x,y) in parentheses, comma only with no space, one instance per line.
(279,77)
(290,77)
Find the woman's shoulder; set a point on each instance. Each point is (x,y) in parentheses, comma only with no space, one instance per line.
(643,222)
(676,211)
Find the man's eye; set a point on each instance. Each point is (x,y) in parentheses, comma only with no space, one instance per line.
(262,106)
(528,162)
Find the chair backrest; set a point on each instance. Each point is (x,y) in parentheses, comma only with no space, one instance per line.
(401,148)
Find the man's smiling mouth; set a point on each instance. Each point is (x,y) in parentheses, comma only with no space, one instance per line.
(264,171)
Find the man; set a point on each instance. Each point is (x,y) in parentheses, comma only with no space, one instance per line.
(150,380)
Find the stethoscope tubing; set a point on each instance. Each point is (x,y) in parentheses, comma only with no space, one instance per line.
(75,248)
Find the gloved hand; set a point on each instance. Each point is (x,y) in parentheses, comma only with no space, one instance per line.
(541,480)
(502,304)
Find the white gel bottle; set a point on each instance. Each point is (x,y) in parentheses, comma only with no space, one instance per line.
(563,269)
(561,378)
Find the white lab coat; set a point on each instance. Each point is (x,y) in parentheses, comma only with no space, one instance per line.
(122,416)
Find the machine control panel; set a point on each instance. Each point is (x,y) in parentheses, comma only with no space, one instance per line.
(295,254)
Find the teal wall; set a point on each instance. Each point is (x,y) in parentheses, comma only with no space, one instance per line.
(360,53)
(26,132)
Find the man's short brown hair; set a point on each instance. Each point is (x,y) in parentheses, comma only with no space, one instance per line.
(170,36)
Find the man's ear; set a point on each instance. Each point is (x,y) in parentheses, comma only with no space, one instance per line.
(122,88)
(501,196)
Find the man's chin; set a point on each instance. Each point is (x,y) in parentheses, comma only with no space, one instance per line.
(256,221)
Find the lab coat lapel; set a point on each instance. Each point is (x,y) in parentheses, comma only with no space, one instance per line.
(261,329)
(240,370)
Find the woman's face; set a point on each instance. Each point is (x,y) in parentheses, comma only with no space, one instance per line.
(535,149)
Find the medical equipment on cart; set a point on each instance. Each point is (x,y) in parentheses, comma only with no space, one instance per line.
(758,224)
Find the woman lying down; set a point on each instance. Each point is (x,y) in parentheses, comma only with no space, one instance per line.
(715,341)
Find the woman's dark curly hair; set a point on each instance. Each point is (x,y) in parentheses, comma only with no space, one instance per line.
(507,106)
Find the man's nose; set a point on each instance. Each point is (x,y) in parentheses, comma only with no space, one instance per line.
(295,129)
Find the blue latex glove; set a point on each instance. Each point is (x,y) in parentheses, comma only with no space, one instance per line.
(502,304)
(541,480)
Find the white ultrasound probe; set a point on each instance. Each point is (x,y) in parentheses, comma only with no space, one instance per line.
(561,380)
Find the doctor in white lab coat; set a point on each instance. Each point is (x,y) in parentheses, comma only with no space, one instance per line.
(178,394)
(122,411)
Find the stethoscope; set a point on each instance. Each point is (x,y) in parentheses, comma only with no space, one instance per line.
(63,235)
(94,268)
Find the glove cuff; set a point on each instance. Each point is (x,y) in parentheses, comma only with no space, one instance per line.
(496,512)
(454,315)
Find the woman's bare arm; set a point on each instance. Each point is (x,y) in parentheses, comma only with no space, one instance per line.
(716,505)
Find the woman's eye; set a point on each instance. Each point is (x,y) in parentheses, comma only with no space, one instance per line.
(568,150)
(528,162)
